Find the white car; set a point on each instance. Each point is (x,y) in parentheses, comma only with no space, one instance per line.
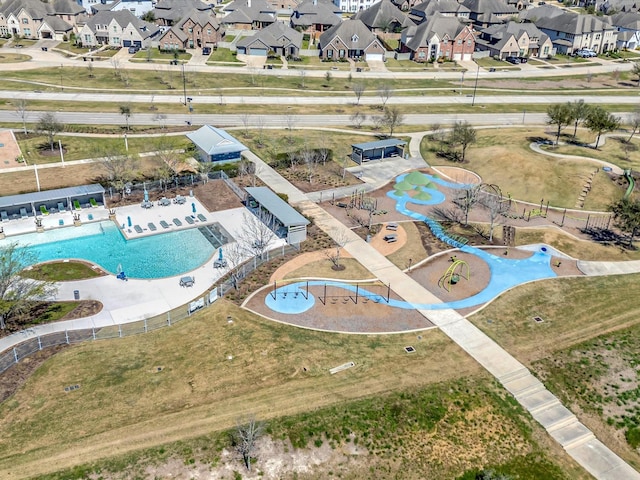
(586,53)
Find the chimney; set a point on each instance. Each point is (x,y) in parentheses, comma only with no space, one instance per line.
(248,3)
(315,2)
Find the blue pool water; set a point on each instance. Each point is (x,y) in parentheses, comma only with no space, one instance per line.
(156,256)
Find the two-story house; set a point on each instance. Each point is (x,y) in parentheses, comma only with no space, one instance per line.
(197,29)
(36,19)
(570,31)
(448,8)
(313,16)
(350,39)
(248,15)
(384,19)
(628,26)
(489,12)
(169,12)
(515,39)
(117,29)
(439,37)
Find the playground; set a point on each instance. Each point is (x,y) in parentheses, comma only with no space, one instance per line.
(463,278)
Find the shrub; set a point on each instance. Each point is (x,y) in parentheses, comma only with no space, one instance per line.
(633,436)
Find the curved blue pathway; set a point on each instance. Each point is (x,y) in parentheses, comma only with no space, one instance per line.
(505,273)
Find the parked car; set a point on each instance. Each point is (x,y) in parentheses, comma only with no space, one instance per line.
(513,60)
(133,50)
(523,59)
(206,50)
(586,53)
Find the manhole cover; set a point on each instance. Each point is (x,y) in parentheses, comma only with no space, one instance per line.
(538,319)
(409,349)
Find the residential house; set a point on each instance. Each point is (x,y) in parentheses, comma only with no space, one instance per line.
(609,7)
(520,4)
(248,15)
(350,39)
(570,31)
(26,18)
(137,7)
(514,39)
(277,38)
(489,12)
(118,29)
(384,19)
(405,5)
(628,26)
(439,37)
(169,12)
(196,30)
(315,16)
(448,8)
(354,5)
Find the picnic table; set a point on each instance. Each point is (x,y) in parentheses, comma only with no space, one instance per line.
(164,201)
(187,281)
(180,200)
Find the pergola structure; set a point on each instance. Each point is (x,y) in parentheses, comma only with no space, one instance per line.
(16,206)
(287,221)
(378,150)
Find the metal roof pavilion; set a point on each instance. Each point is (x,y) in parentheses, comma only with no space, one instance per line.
(389,142)
(285,213)
(51,195)
(215,140)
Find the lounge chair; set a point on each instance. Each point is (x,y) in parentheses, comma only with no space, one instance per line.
(93,202)
(137,228)
(189,220)
(43,210)
(152,226)
(164,224)
(202,218)
(61,222)
(61,207)
(4,216)
(76,205)
(23,213)
(177,222)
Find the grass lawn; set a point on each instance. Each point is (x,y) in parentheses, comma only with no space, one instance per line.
(412,250)
(223,55)
(584,250)
(582,348)
(322,269)
(406,65)
(61,271)
(72,48)
(163,56)
(125,399)
(537,176)
(80,148)
(13,57)
(13,183)
(615,150)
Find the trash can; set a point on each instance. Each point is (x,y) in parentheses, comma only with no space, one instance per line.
(368,238)
(76,294)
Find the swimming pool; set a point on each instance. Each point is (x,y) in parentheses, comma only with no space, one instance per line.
(155,256)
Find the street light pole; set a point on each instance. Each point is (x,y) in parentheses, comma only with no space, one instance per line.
(475,87)
(61,84)
(184,86)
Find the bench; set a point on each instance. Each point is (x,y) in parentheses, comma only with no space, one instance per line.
(390,238)
(392,226)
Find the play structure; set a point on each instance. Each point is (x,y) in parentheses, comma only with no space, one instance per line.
(454,273)
(333,293)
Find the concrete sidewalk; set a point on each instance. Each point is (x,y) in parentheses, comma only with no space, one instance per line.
(578,441)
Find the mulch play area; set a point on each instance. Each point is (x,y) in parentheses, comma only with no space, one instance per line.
(341,314)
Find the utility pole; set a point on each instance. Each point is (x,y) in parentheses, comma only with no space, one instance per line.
(475,87)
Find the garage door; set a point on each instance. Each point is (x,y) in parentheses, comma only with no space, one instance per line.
(137,43)
(258,51)
(375,56)
(126,43)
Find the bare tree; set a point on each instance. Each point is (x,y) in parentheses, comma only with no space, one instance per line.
(17,292)
(385,92)
(119,168)
(310,161)
(438,135)
(341,239)
(464,135)
(256,233)
(636,71)
(392,119)
(247,433)
(467,200)
(49,125)
(290,122)
(358,90)
(358,119)
(244,118)
(634,121)
(160,118)
(490,197)
(126,111)
(235,254)
(90,70)
(167,150)
(220,96)
(303,75)
(21,110)
(115,63)
(323,150)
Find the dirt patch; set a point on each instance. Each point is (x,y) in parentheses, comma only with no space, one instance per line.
(216,196)
(336,309)
(17,375)
(9,151)
(87,308)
